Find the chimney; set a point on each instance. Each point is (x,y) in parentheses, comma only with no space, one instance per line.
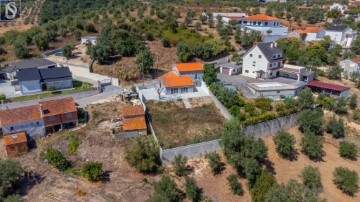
(271,45)
(41,110)
(275,44)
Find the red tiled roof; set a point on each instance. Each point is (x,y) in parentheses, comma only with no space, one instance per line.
(300,31)
(132,111)
(329,86)
(312,29)
(188,67)
(134,124)
(260,17)
(308,30)
(59,106)
(173,80)
(19,115)
(15,139)
(357,60)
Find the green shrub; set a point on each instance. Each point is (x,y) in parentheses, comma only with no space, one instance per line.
(92,171)
(13,198)
(149,36)
(311,178)
(81,115)
(165,42)
(292,191)
(340,106)
(55,158)
(144,156)
(215,163)
(11,173)
(52,88)
(335,127)
(73,145)
(353,101)
(262,185)
(311,121)
(165,190)
(235,185)
(346,180)
(261,118)
(191,189)
(263,103)
(284,142)
(2,97)
(312,146)
(179,165)
(348,150)
(356,114)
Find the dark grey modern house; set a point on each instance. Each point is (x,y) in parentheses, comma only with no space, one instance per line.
(35,80)
(10,71)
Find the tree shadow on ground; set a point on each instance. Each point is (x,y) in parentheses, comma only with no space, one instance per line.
(29,180)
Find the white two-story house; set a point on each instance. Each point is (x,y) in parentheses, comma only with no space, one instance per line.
(341,35)
(265,24)
(263,61)
(183,78)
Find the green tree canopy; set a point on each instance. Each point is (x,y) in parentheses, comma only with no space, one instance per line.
(166,190)
(144,61)
(284,142)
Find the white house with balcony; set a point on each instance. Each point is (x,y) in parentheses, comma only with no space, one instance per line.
(267,25)
(263,61)
(341,35)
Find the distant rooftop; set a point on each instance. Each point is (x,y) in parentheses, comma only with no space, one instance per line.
(260,17)
(337,28)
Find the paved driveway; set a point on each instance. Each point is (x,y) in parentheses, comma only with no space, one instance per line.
(6,88)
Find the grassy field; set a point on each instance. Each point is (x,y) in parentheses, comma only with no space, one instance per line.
(177,126)
(49,94)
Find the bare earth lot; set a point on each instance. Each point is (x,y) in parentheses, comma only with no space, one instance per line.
(177,126)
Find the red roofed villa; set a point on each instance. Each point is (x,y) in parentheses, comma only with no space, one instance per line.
(329,89)
(263,23)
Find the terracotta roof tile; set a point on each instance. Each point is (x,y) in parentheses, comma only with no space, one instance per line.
(300,31)
(312,29)
(134,124)
(188,67)
(172,80)
(260,17)
(15,139)
(58,106)
(357,60)
(132,111)
(19,115)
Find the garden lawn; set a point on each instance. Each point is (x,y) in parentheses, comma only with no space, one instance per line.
(49,94)
(177,126)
